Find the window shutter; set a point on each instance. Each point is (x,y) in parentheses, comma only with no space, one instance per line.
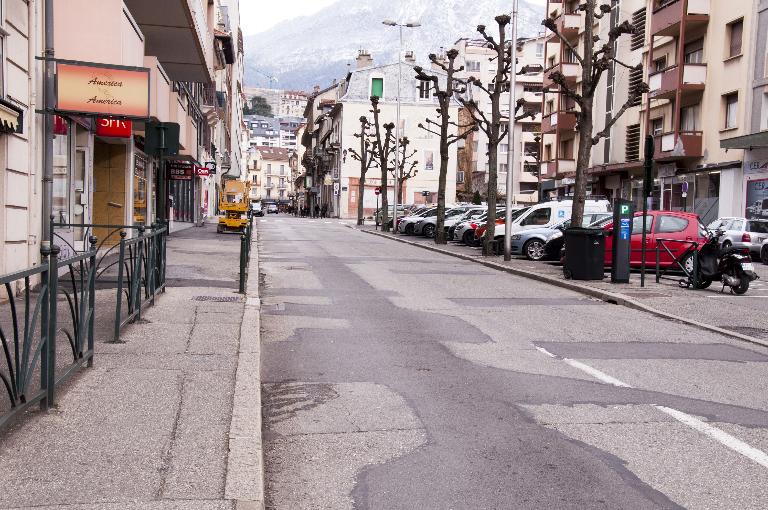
(638,38)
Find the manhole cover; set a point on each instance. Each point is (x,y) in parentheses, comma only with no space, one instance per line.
(218,299)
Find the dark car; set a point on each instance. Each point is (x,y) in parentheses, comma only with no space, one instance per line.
(553,249)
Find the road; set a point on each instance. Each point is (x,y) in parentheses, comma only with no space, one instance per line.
(397,378)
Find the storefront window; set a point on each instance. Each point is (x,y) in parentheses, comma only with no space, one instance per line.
(707,196)
(61,176)
(140,189)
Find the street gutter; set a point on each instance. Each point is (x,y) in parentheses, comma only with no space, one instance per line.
(245,465)
(609,297)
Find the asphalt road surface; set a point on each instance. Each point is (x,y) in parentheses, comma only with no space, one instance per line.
(397,378)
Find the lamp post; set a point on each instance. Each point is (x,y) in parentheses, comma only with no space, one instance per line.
(391,23)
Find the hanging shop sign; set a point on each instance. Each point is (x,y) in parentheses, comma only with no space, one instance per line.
(180,170)
(100,89)
(202,171)
(114,128)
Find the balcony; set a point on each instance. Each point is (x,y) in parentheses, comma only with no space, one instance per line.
(568,25)
(672,146)
(571,71)
(559,122)
(668,14)
(557,168)
(664,84)
(533,97)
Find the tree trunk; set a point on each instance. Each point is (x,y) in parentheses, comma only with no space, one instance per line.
(493,161)
(582,163)
(360,192)
(440,228)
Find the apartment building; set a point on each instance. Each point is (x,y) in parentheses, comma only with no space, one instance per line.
(292,103)
(272,176)
(179,62)
(696,61)
(479,62)
(264,131)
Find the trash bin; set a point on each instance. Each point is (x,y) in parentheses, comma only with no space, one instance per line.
(584,254)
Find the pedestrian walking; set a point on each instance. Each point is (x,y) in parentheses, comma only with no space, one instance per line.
(324,211)
(317,211)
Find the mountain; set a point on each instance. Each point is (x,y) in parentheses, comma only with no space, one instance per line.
(315,50)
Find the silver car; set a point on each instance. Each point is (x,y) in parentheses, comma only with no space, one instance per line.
(428,225)
(741,233)
(406,224)
(532,243)
(465,232)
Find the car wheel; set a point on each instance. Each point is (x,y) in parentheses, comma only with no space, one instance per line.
(409,230)
(725,245)
(468,237)
(534,249)
(428,231)
(764,254)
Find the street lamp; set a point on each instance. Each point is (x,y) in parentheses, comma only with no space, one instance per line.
(511,139)
(391,23)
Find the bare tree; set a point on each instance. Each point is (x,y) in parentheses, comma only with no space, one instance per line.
(495,127)
(406,160)
(384,146)
(597,57)
(444,94)
(367,159)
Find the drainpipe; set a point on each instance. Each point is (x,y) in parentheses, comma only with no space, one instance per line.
(49,102)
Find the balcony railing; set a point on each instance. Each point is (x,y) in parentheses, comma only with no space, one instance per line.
(674,146)
(668,14)
(560,122)
(571,71)
(568,25)
(664,84)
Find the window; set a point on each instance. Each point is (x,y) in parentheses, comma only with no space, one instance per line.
(660,64)
(539,50)
(537,217)
(424,89)
(269,168)
(503,168)
(269,193)
(550,106)
(551,61)
(759,227)
(61,156)
(256,179)
(657,126)
(377,87)
(282,169)
(269,181)
(731,109)
(669,224)
(569,56)
(735,34)
(689,118)
(694,52)
(473,66)
(504,147)
(637,224)
(460,177)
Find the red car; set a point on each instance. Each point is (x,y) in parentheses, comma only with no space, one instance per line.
(670,226)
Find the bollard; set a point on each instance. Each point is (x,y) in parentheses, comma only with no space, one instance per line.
(243,262)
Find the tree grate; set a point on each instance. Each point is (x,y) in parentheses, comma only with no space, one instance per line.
(218,299)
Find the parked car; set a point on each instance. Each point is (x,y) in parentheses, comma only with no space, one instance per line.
(500,220)
(532,242)
(551,213)
(402,209)
(741,233)
(677,229)
(256,209)
(764,252)
(406,224)
(464,232)
(428,225)
(272,209)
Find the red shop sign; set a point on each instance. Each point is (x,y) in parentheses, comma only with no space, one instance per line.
(115,128)
(202,171)
(179,170)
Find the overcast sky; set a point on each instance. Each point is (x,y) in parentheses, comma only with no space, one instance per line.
(260,15)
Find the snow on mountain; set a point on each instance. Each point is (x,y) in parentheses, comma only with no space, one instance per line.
(315,50)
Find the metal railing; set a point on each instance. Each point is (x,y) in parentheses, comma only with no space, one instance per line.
(29,337)
(678,262)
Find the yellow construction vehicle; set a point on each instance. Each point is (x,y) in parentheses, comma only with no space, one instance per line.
(234,204)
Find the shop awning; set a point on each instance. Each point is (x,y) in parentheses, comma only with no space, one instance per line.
(10,117)
(752,141)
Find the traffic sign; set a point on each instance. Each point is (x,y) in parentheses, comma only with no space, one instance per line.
(377,190)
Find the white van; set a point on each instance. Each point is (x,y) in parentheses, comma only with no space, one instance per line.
(548,214)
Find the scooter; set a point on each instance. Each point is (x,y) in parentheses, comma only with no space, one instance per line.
(732,266)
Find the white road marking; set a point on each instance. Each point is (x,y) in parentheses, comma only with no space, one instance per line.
(597,374)
(722,437)
(327,222)
(718,435)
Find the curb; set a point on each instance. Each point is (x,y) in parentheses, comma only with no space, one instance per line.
(609,297)
(245,465)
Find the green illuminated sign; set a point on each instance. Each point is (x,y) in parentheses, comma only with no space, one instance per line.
(625,209)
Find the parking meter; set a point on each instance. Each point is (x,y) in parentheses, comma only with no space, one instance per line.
(623,213)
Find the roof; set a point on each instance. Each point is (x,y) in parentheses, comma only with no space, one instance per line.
(273,153)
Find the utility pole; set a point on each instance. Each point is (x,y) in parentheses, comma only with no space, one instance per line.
(49,101)
(511,139)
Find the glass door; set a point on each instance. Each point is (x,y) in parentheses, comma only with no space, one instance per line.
(81,190)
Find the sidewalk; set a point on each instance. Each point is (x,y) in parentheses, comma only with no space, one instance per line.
(742,316)
(150,425)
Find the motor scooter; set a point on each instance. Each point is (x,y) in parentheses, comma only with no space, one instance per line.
(732,266)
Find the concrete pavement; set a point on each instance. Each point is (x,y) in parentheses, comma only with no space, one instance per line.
(151,425)
(400,378)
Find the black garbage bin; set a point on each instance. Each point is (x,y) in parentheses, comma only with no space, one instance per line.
(584,253)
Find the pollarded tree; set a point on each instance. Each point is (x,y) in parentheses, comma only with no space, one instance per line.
(408,167)
(494,126)
(444,94)
(384,145)
(596,57)
(367,158)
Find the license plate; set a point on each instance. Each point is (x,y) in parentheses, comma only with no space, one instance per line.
(748,266)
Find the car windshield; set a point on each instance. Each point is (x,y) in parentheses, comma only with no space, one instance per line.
(759,227)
